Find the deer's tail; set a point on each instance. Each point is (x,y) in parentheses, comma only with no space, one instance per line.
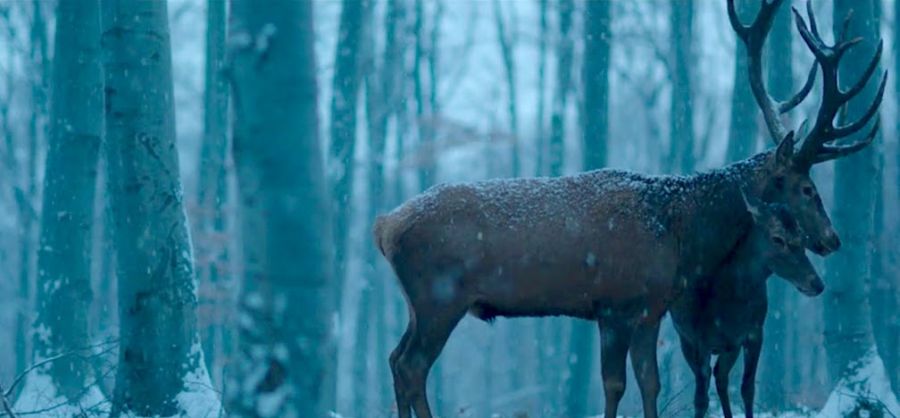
(384,235)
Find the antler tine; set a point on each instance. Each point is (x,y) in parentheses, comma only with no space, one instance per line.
(815,148)
(867,75)
(754,37)
(853,127)
(812,19)
(810,35)
(790,104)
(831,152)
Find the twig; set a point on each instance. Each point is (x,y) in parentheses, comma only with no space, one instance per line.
(6,405)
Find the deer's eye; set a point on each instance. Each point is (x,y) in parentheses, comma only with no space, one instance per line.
(779,242)
(808,191)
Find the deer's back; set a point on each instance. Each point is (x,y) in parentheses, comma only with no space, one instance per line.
(603,234)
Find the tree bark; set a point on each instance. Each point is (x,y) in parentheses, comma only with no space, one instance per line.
(161,369)
(64,256)
(286,365)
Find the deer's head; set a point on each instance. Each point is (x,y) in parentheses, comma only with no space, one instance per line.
(779,243)
(789,181)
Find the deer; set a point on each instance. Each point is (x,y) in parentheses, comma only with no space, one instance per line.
(611,246)
(724,314)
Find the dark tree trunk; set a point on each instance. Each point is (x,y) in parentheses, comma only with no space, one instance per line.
(288,264)
(64,257)
(160,359)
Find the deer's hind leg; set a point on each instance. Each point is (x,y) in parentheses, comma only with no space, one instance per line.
(430,329)
(615,337)
(401,384)
(646,370)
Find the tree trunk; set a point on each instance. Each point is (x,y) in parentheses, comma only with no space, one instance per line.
(286,365)
(852,359)
(161,369)
(774,367)
(540,142)
(886,289)
(212,196)
(383,99)
(597,46)
(64,256)
(595,114)
(345,93)
(742,131)
(27,193)
(506,38)
(564,55)
(681,156)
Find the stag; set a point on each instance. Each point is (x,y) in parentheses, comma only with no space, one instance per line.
(610,246)
(725,313)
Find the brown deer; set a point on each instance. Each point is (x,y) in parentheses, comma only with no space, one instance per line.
(725,313)
(606,245)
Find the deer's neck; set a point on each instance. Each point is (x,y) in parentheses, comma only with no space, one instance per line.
(746,271)
(714,219)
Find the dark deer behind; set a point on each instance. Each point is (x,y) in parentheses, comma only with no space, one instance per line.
(724,313)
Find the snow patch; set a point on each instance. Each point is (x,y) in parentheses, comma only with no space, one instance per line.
(867,387)
(41,397)
(198,399)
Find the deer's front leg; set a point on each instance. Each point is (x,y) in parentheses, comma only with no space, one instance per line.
(751,360)
(643,360)
(722,370)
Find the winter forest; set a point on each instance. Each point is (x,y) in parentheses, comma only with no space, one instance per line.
(449,208)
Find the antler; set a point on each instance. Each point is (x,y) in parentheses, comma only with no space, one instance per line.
(816,147)
(754,38)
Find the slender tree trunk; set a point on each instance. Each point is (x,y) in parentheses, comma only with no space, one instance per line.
(848,327)
(212,195)
(64,256)
(742,131)
(26,194)
(286,365)
(564,58)
(506,39)
(773,382)
(595,114)
(597,45)
(161,369)
(345,93)
(382,103)
(681,156)
(886,289)
(540,144)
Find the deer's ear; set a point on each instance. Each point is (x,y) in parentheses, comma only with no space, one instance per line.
(753,205)
(785,151)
